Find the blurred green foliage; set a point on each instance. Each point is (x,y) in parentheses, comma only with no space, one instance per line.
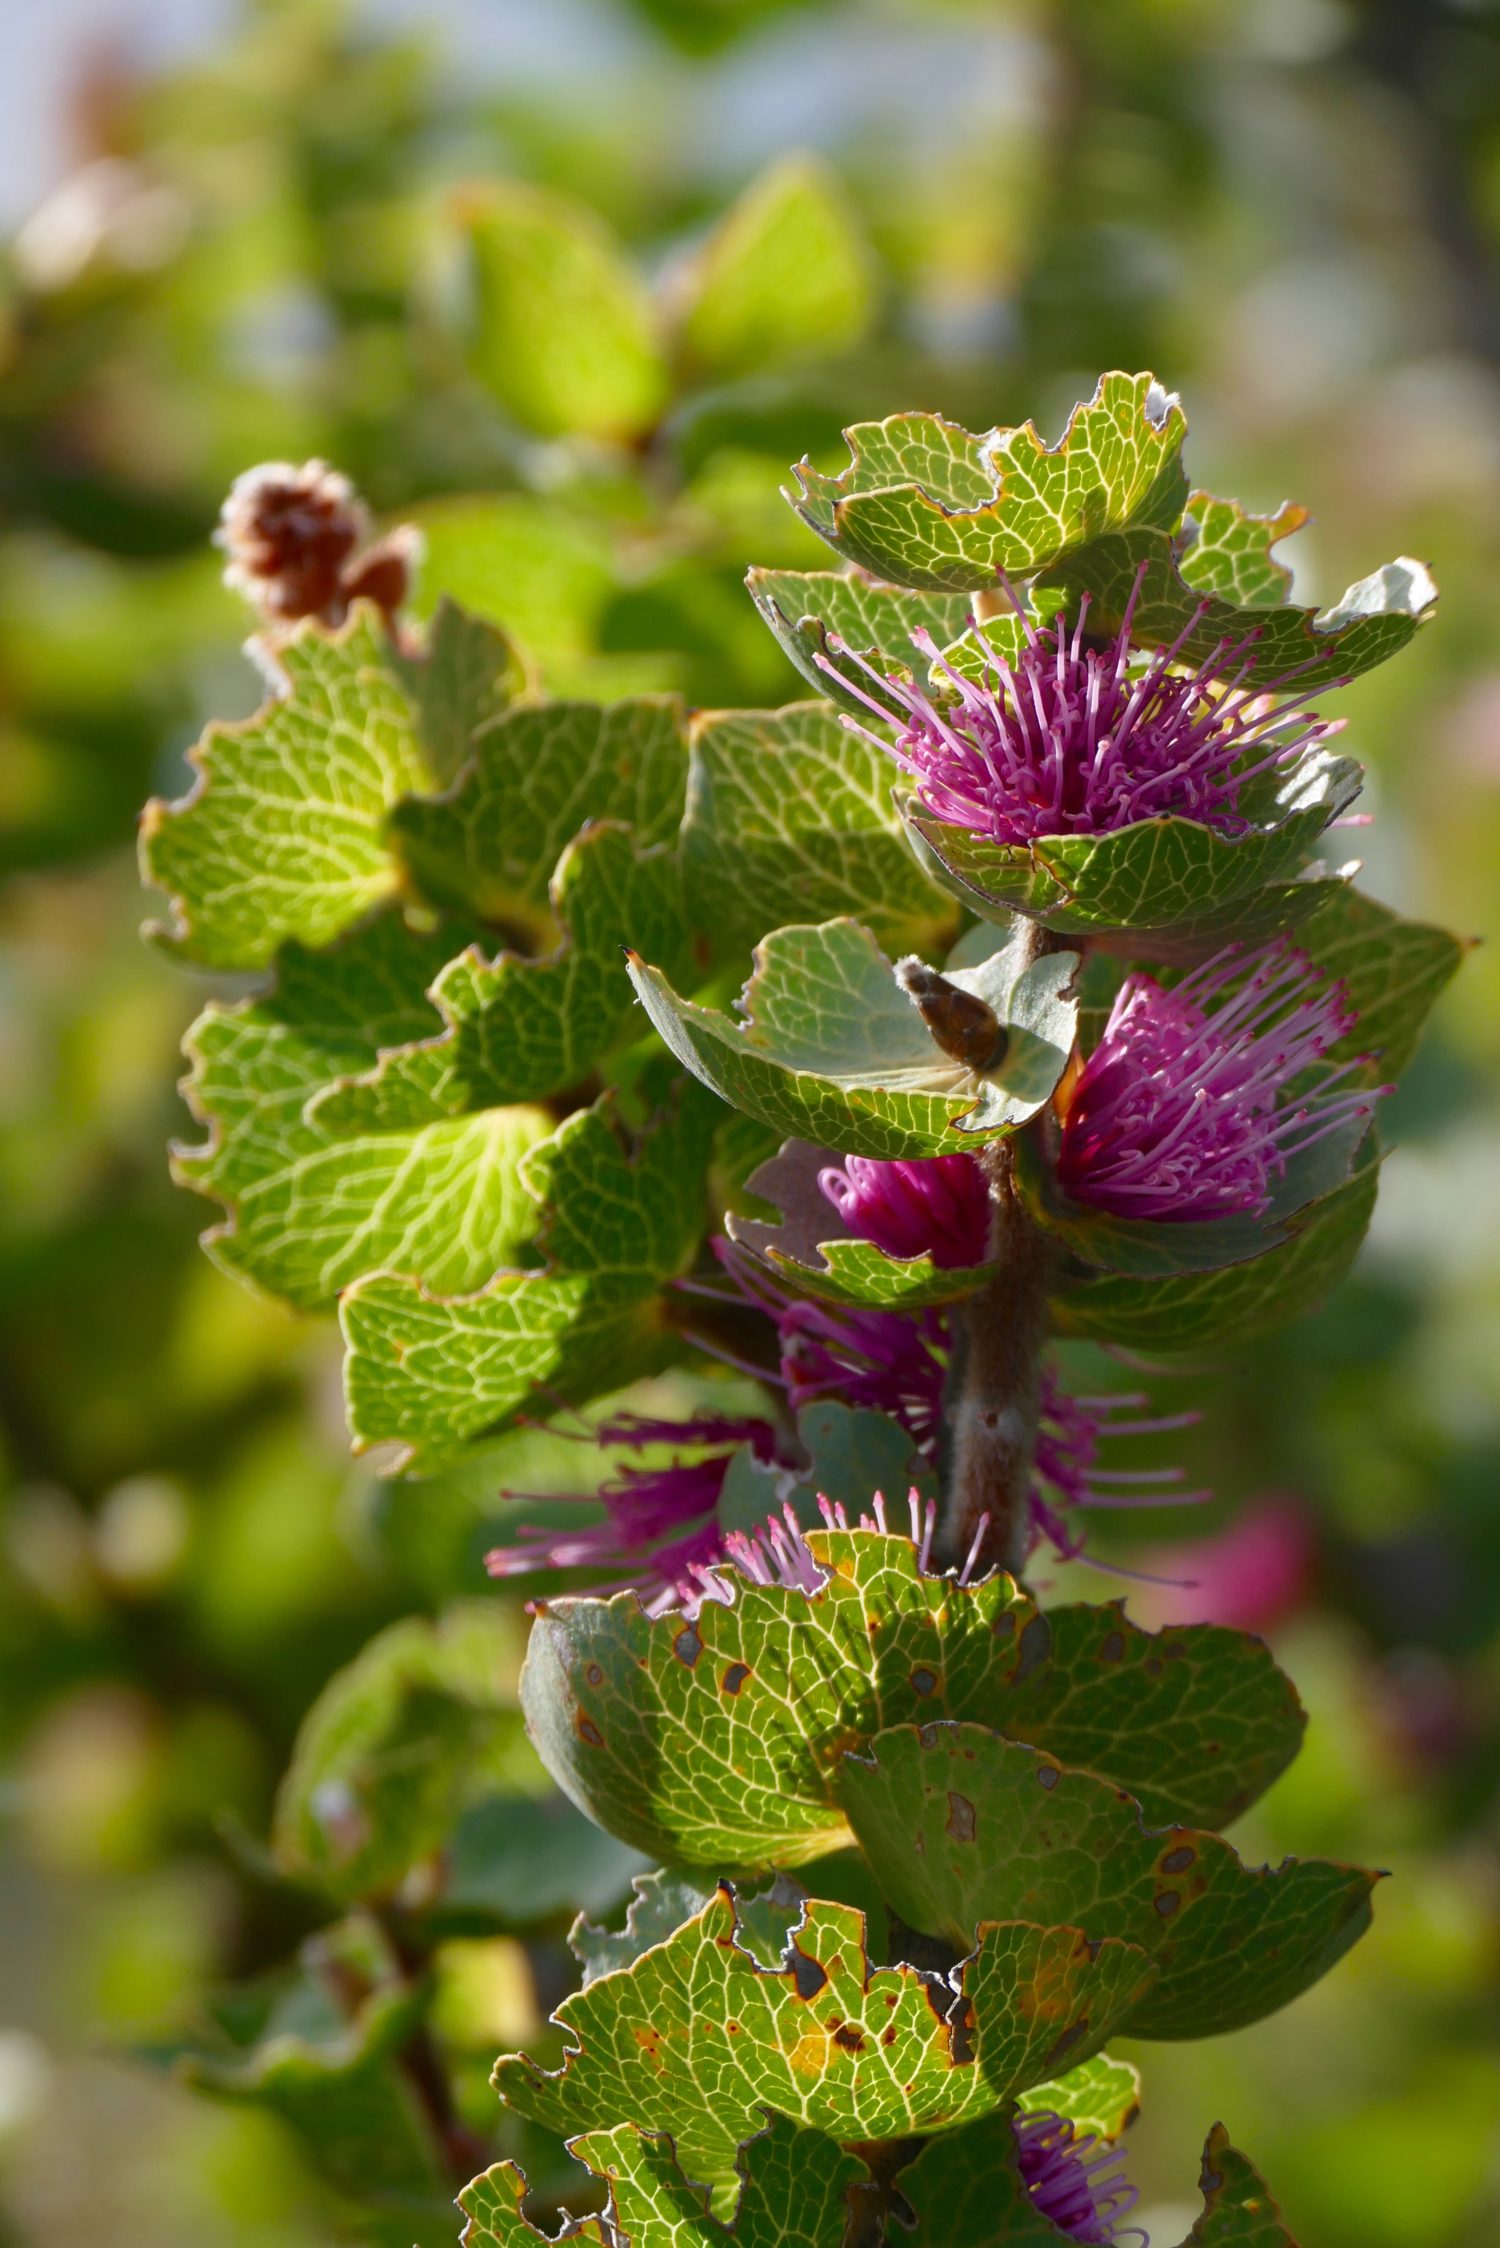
(576,326)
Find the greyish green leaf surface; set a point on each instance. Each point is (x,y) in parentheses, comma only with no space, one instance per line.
(804,607)
(1160,878)
(833,1051)
(664,1899)
(697,2038)
(962,1827)
(786,272)
(538,774)
(283,833)
(430,1373)
(420,1724)
(925,503)
(519,1029)
(1196,1721)
(969,2193)
(715,1741)
(310,1208)
(1371,621)
(807,1247)
(1191,1313)
(793,2193)
(790,819)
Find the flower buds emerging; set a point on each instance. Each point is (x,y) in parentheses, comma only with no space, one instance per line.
(297,538)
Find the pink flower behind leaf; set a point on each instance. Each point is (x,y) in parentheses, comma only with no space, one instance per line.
(1251,1576)
(938,1206)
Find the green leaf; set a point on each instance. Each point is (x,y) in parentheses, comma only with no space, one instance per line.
(961,1827)
(422,1723)
(1393,970)
(538,775)
(793,2189)
(790,818)
(808,1249)
(563,330)
(1228,550)
(833,1050)
(1196,1721)
(1099,2098)
(1174,886)
(431,1373)
(862,2053)
(715,1740)
(283,833)
(1324,647)
(925,503)
(663,1900)
(1195,1312)
(784,274)
(467,673)
(804,607)
(969,2193)
(311,1207)
(511,1861)
(318,2048)
(519,1029)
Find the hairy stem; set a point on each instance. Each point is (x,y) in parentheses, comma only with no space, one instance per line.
(995,1384)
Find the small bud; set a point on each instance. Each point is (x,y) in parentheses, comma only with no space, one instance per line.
(296,542)
(959,1022)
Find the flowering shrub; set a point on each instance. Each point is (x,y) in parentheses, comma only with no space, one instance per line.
(1075,756)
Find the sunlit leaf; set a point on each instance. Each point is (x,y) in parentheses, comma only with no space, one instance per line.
(785,273)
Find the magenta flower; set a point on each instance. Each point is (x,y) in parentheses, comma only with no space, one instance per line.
(1066,739)
(1077,2183)
(1186,1108)
(939,1205)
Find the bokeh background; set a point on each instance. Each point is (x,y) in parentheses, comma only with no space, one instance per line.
(240,232)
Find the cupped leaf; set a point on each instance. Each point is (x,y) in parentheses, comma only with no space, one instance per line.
(431,1373)
(790,818)
(519,1029)
(466,673)
(805,608)
(785,273)
(698,2038)
(1167,887)
(714,1740)
(537,776)
(1322,647)
(283,833)
(1189,1314)
(925,503)
(833,1050)
(421,1723)
(311,1206)
(810,1249)
(961,1827)
(1155,1248)
(970,2193)
(563,331)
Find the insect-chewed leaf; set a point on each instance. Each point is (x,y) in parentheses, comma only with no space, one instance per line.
(1226,551)
(790,818)
(698,2038)
(1323,647)
(283,833)
(430,1373)
(969,2192)
(834,1051)
(960,1826)
(925,503)
(805,607)
(793,2193)
(519,1029)
(810,1249)
(1190,1313)
(715,1740)
(538,774)
(313,1205)
(1163,888)
(786,272)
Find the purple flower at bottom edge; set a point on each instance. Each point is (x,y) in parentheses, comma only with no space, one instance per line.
(1077,2183)
(1183,1109)
(1063,738)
